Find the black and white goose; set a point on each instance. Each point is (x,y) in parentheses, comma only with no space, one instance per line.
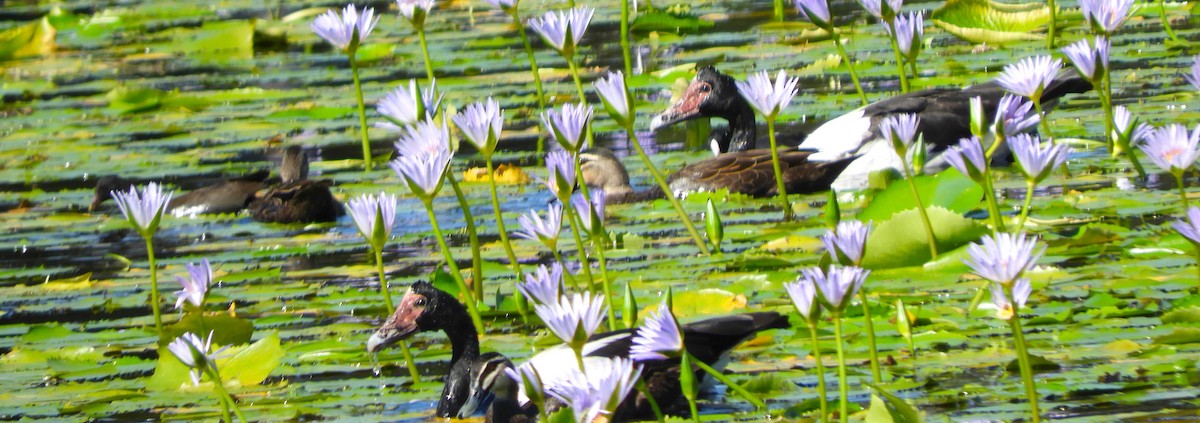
(475,379)
(944,113)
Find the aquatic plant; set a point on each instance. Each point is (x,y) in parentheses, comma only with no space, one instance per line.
(968,158)
(374,216)
(195,354)
(143,210)
(415,12)
(1003,259)
(511,8)
(423,165)
(614,92)
(887,12)
(591,218)
(846,244)
(817,12)
(1029,78)
(1175,150)
(531,381)
(901,130)
(594,397)
(563,30)
(1190,229)
(544,285)
(768,99)
(195,285)
(405,106)
(573,319)
(835,288)
(803,292)
(1036,160)
(347,32)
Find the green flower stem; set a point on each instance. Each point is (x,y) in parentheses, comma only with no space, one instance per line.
(821,390)
(512,256)
(472,237)
(1053,19)
(904,87)
(387,297)
(1029,186)
(383,288)
(1023,359)
(662,183)
(362,114)
(606,285)
(843,383)
(837,41)
(425,52)
(625,54)
(1037,105)
(779,10)
(567,273)
(641,387)
(1178,182)
(537,78)
(222,394)
(687,383)
(876,376)
(458,278)
(788,214)
(158,328)
(993,205)
(1123,143)
(912,185)
(579,357)
(225,416)
(1162,11)
(758,403)
(576,228)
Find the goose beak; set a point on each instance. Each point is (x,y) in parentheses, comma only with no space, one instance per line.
(687,107)
(401,325)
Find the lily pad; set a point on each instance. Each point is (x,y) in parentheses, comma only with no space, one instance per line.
(988,21)
(901,241)
(948,189)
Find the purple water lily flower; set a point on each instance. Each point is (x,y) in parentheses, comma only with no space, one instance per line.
(591,213)
(143,209)
(816,11)
(1091,62)
(505,5)
(1189,228)
(1021,290)
(1003,257)
(345,31)
(569,126)
(368,211)
(194,353)
(424,138)
(847,241)
(563,29)
(882,10)
(1030,76)
(1172,148)
(803,293)
(401,106)
(1105,16)
(1194,77)
(530,380)
(595,395)
(1037,159)
(612,92)
(909,33)
(560,166)
(1015,114)
(659,337)
(415,11)
(546,231)
(544,285)
(195,286)
(423,173)
(481,125)
(1127,127)
(573,318)
(967,157)
(838,285)
(766,97)
(901,130)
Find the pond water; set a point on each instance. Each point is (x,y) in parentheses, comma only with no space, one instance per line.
(1114,302)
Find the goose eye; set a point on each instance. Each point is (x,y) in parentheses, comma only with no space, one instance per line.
(419,302)
(705,88)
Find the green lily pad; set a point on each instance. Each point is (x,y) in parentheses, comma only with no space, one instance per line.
(33,39)
(948,189)
(988,21)
(901,240)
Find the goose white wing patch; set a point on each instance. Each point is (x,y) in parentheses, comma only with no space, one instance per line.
(552,364)
(839,137)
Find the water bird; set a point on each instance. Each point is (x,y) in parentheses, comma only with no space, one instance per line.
(944,113)
(745,172)
(296,199)
(475,379)
(227,196)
